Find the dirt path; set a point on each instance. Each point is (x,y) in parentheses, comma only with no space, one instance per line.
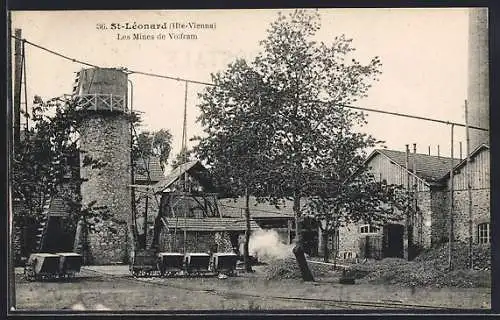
(114,289)
(96,292)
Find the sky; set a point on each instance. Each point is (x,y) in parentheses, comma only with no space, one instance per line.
(423,52)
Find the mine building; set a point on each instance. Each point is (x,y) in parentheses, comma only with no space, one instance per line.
(189,219)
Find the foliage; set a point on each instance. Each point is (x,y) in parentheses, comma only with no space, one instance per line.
(236,137)
(181,157)
(360,198)
(264,119)
(312,138)
(279,124)
(152,144)
(46,162)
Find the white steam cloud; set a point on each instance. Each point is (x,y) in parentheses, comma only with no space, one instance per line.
(266,245)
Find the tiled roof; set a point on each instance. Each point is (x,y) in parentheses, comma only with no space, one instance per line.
(236,208)
(193,168)
(429,168)
(209,224)
(152,164)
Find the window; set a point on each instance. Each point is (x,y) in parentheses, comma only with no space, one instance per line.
(483,233)
(368,229)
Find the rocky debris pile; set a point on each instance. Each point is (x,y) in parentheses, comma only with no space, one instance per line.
(481,256)
(287,268)
(279,269)
(429,269)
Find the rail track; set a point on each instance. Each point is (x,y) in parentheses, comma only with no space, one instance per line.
(333,303)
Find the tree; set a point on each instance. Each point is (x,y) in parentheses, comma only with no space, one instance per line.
(181,157)
(153,144)
(359,198)
(309,131)
(47,163)
(236,140)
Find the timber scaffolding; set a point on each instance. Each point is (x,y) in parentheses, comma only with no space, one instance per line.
(177,208)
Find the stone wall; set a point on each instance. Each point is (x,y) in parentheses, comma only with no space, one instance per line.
(423,220)
(349,236)
(480,212)
(441,214)
(106,137)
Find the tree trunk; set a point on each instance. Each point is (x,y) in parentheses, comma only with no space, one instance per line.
(326,253)
(145,237)
(298,250)
(246,256)
(155,244)
(335,246)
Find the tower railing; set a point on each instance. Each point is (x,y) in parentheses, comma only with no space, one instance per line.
(101,101)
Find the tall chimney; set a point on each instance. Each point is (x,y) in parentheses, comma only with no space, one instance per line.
(17,86)
(438,151)
(429,150)
(478,77)
(408,166)
(415,158)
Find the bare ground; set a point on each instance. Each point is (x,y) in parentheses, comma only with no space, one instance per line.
(112,288)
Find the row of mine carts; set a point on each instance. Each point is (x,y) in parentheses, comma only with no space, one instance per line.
(172,264)
(42,266)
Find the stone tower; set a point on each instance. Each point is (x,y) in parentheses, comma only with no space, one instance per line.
(101,95)
(478,77)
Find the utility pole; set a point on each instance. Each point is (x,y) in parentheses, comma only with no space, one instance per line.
(132,178)
(11,278)
(469,186)
(416,217)
(23,84)
(407,224)
(184,149)
(450,219)
(18,66)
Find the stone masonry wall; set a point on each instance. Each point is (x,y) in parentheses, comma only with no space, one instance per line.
(441,204)
(106,137)
(480,213)
(440,215)
(349,240)
(423,220)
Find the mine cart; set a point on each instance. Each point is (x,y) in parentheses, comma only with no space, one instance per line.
(42,265)
(169,263)
(69,264)
(224,263)
(144,263)
(197,263)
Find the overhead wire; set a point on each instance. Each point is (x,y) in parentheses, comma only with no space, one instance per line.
(212,84)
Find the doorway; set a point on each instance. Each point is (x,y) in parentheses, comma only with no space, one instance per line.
(393,246)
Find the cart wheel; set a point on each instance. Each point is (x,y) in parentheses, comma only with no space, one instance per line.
(29,274)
